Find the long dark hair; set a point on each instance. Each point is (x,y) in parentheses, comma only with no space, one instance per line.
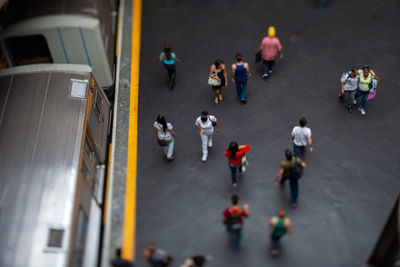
(218,62)
(161,120)
(233,148)
(168,52)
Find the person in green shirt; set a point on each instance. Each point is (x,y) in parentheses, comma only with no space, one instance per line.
(365,85)
(280,225)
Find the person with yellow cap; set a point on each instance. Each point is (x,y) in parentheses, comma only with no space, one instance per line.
(269,48)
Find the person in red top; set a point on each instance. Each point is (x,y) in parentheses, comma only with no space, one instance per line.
(233,219)
(235,154)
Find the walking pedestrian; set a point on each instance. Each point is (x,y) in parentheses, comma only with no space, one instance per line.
(168,58)
(235,154)
(156,256)
(165,136)
(349,85)
(240,74)
(365,85)
(196,261)
(280,225)
(118,261)
(269,48)
(233,220)
(286,172)
(218,72)
(205,123)
(301,135)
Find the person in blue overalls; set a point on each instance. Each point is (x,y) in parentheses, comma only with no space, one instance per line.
(240,75)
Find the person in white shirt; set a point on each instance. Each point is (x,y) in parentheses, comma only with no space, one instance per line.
(349,85)
(165,136)
(205,123)
(301,135)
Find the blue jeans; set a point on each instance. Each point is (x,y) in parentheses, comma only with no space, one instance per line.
(237,235)
(364,97)
(233,172)
(268,65)
(241,89)
(274,242)
(298,150)
(294,188)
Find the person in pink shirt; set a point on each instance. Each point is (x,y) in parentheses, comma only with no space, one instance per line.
(269,48)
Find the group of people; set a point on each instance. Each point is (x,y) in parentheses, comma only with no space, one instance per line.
(355,83)
(269,48)
(358,83)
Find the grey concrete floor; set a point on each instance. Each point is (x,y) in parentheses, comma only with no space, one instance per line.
(352,179)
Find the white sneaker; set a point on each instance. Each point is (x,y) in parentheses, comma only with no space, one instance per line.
(210,143)
(243,169)
(204,158)
(265,76)
(354,101)
(362,111)
(234,184)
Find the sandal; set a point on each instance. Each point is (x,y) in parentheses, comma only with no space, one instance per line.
(216,100)
(220,97)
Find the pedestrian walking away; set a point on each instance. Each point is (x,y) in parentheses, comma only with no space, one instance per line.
(288,170)
(118,261)
(156,256)
(366,85)
(218,74)
(168,59)
(240,74)
(233,220)
(280,225)
(349,85)
(235,154)
(196,261)
(205,123)
(270,47)
(301,135)
(165,136)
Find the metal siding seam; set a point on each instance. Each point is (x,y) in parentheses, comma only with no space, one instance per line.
(62,45)
(129,231)
(84,46)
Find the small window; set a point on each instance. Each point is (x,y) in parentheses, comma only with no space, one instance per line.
(55,238)
(25,50)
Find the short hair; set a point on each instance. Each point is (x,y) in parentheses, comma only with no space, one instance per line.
(281,213)
(303,122)
(204,115)
(235,199)
(238,57)
(365,67)
(288,154)
(354,68)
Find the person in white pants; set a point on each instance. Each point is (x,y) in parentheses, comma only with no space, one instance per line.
(205,123)
(165,134)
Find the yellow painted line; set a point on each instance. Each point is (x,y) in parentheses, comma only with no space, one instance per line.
(107,181)
(129,231)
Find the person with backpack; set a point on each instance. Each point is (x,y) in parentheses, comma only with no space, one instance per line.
(205,123)
(280,225)
(168,59)
(291,169)
(165,136)
(235,154)
(233,219)
(349,85)
(240,74)
(301,136)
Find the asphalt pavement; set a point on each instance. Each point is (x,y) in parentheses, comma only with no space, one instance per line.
(352,178)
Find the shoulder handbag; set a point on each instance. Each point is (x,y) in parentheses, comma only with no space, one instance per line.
(162,142)
(214,123)
(245,162)
(297,170)
(212,81)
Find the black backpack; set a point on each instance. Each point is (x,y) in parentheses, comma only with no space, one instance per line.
(233,223)
(297,170)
